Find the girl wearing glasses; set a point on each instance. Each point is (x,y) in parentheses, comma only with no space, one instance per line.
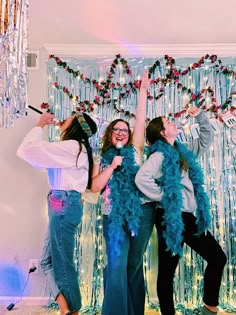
(127,220)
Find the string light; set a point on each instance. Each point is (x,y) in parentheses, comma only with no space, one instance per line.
(218,165)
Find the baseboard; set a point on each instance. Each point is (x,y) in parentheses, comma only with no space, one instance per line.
(28,300)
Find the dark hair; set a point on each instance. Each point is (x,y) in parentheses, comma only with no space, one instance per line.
(75,132)
(106,139)
(153,130)
(153,133)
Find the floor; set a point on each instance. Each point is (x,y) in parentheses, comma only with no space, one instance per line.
(22,309)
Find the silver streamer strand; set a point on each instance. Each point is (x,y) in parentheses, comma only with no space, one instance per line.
(13,56)
(218,165)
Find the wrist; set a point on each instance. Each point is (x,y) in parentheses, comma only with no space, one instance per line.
(200,116)
(40,125)
(111,167)
(143,89)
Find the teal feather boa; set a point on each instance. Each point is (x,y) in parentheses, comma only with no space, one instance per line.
(172,198)
(124,197)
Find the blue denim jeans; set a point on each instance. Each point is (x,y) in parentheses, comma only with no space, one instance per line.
(124,287)
(57,262)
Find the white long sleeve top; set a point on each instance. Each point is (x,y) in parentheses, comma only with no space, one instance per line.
(59,158)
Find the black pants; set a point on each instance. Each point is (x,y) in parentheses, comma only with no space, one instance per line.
(206,246)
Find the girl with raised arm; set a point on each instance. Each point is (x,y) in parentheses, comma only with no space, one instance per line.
(172,177)
(127,220)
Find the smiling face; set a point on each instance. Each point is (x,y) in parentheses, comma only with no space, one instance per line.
(170,130)
(120,133)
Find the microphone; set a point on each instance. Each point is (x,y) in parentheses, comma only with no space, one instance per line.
(184,120)
(35,109)
(40,112)
(119,146)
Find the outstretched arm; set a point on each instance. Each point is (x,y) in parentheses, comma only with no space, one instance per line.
(206,135)
(139,127)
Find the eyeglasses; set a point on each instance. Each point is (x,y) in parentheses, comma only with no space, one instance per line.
(120,131)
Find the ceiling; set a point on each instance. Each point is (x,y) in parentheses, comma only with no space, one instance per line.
(131,22)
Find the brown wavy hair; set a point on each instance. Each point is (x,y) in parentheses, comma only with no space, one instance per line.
(153,133)
(106,139)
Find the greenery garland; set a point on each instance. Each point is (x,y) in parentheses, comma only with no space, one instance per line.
(172,76)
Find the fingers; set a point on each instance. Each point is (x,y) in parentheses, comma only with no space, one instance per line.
(145,75)
(194,111)
(47,119)
(145,82)
(117,161)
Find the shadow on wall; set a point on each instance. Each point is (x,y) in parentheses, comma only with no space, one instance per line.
(12,280)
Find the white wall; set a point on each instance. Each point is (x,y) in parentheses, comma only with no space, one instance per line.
(23,199)
(23,190)
(131,22)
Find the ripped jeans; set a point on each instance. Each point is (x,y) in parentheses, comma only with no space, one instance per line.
(57,261)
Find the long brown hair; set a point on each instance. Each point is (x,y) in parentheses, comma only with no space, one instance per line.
(153,133)
(106,139)
(76,132)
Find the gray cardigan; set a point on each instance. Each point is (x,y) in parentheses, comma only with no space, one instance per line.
(149,173)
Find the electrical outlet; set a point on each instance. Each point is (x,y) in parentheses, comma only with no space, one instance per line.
(34,263)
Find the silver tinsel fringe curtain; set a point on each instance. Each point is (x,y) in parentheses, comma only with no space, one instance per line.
(66,89)
(13,55)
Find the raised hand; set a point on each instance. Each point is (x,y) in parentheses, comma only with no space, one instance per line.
(46,119)
(145,82)
(194,111)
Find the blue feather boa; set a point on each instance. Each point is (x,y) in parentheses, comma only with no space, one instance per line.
(172,198)
(124,197)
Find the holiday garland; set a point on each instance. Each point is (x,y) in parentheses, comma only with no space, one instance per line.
(172,76)
(225,104)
